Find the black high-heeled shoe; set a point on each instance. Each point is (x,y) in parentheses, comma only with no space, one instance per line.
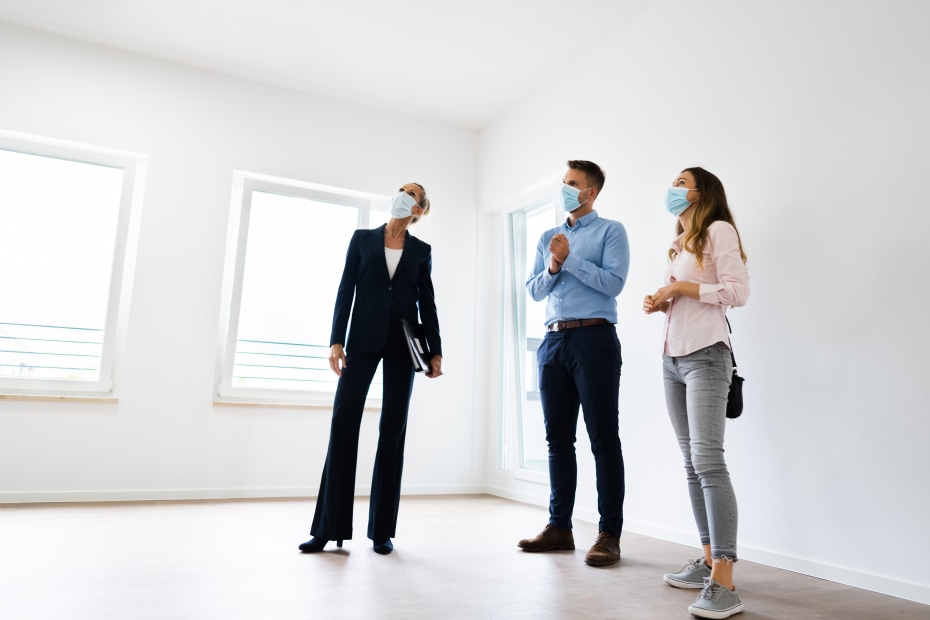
(384,547)
(315,545)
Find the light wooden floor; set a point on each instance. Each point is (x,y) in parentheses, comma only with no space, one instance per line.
(455,557)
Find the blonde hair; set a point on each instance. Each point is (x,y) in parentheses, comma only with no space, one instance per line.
(424,204)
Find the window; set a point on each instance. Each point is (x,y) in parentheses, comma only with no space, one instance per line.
(526,331)
(287,247)
(68,227)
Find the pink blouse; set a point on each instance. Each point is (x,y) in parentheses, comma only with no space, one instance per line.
(692,324)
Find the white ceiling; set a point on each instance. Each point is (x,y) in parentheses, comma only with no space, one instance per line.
(455,62)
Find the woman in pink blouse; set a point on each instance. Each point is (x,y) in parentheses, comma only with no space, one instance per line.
(707,273)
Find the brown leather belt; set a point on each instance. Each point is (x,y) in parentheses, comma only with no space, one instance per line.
(563,325)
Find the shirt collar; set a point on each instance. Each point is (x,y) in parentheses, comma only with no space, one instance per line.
(583,221)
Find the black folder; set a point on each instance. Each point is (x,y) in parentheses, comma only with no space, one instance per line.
(416,342)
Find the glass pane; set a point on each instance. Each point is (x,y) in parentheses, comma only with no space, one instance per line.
(377,218)
(536,224)
(294,257)
(58,222)
(534,449)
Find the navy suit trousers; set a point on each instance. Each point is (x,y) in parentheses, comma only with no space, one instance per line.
(333,517)
(581,367)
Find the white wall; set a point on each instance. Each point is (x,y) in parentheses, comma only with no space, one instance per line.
(814,115)
(165,438)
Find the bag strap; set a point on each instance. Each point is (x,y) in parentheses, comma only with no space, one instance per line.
(730,329)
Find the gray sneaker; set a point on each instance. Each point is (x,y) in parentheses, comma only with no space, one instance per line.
(691,576)
(716,601)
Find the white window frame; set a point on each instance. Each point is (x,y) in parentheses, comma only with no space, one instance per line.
(123,266)
(244,184)
(513,342)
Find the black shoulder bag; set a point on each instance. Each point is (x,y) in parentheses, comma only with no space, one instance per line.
(735,397)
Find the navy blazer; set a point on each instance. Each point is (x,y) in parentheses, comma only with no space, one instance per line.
(381,301)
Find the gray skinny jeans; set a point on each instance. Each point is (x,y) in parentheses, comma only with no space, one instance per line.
(696,388)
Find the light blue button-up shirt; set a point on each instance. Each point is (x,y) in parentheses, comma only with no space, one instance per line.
(593,273)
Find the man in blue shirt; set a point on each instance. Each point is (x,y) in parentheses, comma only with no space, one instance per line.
(580,268)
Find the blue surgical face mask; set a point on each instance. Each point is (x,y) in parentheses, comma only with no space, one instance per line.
(402,205)
(676,200)
(569,197)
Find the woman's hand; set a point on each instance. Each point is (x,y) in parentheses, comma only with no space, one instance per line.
(650,305)
(337,359)
(435,367)
(658,301)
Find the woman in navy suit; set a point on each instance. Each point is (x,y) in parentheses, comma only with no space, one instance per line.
(387,274)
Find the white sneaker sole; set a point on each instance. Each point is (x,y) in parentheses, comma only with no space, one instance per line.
(715,613)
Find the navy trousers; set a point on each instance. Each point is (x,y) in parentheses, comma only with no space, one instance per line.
(333,517)
(581,367)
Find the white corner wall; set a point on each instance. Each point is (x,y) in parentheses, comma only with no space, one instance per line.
(164,438)
(814,115)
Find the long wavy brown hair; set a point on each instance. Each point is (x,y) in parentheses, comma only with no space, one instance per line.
(711,206)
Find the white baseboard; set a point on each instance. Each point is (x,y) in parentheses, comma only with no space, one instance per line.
(539,500)
(857,579)
(208,494)
(150,495)
(523,498)
(444,490)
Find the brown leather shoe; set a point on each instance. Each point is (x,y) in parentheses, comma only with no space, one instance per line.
(606,551)
(550,539)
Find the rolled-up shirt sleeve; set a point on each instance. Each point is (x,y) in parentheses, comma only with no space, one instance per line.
(732,286)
